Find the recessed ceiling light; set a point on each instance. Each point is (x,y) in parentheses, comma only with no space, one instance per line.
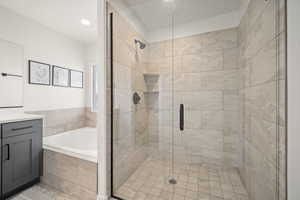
(168,1)
(85,22)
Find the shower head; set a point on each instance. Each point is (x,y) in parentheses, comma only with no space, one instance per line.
(142,45)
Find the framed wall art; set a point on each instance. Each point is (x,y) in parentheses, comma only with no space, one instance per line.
(60,76)
(76,79)
(39,73)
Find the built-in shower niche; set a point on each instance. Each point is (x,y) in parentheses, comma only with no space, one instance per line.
(152,90)
(152,83)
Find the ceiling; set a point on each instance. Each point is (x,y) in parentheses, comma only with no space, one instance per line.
(155,14)
(63,16)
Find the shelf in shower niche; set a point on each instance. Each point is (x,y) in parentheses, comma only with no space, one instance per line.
(151,75)
(151,92)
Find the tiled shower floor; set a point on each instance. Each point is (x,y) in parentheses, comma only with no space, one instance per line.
(194,182)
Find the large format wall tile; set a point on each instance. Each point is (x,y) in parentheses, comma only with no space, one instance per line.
(165,65)
(262,101)
(262,64)
(223,39)
(231,100)
(186,45)
(202,139)
(220,80)
(213,120)
(206,61)
(264,138)
(227,81)
(262,31)
(202,100)
(255,9)
(231,58)
(130,136)
(122,76)
(262,68)
(206,80)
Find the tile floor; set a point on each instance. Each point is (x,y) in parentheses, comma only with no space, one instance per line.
(194,182)
(41,192)
(150,182)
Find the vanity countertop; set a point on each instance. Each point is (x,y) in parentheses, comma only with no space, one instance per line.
(16,117)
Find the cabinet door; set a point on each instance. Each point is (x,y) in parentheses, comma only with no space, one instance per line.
(11,63)
(21,158)
(1,164)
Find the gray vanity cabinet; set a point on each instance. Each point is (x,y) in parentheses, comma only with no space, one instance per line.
(21,154)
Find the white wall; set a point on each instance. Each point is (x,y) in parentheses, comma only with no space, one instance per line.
(90,60)
(220,22)
(293,99)
(45,45)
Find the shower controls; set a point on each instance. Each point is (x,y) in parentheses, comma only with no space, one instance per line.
(136,98)
(142,45)
(172,181)
(181,117)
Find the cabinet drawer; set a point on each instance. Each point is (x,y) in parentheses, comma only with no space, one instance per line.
(21,128)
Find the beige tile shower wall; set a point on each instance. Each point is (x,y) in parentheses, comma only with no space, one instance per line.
(61,120)
(206,81)
(130,137)
(262,49)
(90,118)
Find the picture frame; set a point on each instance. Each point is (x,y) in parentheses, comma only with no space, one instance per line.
(39,73)
(60,76)
(76,78)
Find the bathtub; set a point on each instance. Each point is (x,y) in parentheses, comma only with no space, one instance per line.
(80,143)
(70,163)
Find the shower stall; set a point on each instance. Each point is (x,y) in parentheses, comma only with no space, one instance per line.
(197,99)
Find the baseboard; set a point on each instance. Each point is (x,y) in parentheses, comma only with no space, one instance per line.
(101,197)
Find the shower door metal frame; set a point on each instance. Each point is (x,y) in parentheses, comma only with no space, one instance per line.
(110,20)
(111,65)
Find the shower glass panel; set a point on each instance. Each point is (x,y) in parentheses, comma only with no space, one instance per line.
(137,144)
(198,99)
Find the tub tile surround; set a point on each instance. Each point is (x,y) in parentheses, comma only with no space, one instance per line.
(62,120)
(70,175)
(90,118)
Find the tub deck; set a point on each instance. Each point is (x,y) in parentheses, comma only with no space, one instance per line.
(80,143)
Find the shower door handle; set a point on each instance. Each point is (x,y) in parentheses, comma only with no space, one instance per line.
(181,117)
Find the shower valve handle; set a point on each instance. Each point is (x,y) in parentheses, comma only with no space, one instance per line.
(181,117)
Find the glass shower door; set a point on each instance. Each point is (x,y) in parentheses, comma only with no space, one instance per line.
(141,103)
